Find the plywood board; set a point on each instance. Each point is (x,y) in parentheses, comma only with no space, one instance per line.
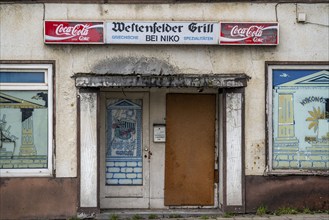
(190,149)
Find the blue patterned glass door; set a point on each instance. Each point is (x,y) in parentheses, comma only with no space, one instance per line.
(124,161)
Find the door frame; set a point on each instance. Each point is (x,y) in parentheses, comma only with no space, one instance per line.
(89,86)
(232,150)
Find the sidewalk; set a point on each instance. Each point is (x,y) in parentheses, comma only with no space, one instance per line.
(321,216)
(274,217)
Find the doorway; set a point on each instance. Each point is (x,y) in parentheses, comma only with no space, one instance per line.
(124,160)
(129,173)
(94,192)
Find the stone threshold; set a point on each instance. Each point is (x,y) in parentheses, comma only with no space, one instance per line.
(158,213)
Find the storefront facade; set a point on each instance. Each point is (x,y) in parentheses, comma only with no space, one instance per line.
(167,121)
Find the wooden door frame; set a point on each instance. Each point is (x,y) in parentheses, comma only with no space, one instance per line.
(227,96)
(93,97)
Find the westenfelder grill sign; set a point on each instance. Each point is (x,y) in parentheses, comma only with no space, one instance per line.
(129,32)
(162,32)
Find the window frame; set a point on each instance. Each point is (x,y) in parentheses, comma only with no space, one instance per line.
(269,67)
(48,69)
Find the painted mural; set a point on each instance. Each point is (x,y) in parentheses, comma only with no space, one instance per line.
(300,119)
(124,162)
(23,129)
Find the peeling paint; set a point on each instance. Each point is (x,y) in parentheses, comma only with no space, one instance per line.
(89,99)
(83,215)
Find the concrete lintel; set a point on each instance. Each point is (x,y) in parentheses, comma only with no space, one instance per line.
(168,81)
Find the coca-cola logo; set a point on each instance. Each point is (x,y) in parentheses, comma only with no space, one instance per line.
(249,33)
(76,30)
(253,31)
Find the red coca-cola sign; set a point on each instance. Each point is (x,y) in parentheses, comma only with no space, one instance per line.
(74,32)
(246,33)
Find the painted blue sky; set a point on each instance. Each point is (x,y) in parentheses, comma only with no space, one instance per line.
(283,76)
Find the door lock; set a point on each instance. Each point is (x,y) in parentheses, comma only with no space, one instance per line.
(149,155)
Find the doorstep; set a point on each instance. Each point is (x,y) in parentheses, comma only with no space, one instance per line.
(157,213)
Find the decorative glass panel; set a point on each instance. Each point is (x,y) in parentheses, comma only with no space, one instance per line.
(300,119)
(23,129)
(22,77)
(124,162)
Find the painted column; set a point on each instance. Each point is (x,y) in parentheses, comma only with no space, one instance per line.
(286,143)
(88,150)
(27,148)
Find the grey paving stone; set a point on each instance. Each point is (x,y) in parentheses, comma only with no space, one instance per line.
(260,218)
(313,218)
(278,218)
(295,217)
(243,218)
(237,217)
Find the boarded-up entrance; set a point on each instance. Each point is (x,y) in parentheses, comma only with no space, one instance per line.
(190,149)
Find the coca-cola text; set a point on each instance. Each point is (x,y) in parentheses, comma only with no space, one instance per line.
(77,30)
(252,31)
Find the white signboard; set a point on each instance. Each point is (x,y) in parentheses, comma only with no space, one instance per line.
(122,32)
(159,132)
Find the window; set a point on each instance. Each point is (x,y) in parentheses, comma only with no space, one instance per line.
(298,118)
(26,120)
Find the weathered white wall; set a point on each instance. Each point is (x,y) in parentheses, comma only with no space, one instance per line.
(21,38)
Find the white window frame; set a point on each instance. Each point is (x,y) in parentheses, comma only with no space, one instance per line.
(269,113)
(48,86)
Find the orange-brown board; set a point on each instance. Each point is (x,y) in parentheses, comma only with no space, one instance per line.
(190,149)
